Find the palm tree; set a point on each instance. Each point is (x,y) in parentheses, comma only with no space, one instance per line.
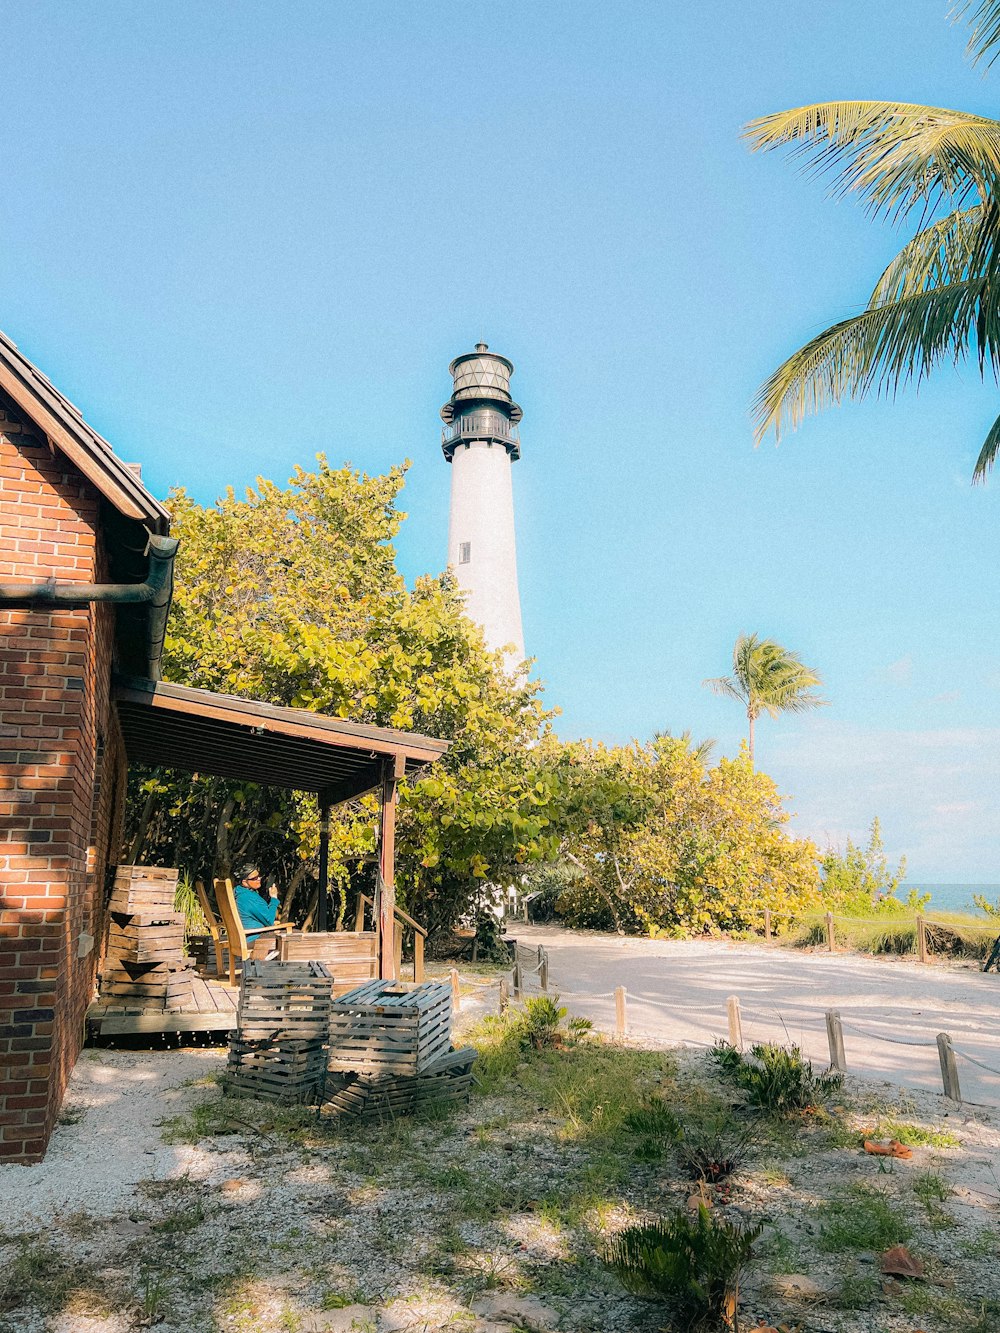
(767,679)
(939,299)
(700,750)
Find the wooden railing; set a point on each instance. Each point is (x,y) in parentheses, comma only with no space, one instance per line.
(404,922)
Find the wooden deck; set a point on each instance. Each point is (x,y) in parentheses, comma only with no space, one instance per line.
(213,1009)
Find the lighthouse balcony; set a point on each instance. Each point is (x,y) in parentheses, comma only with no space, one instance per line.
(487,426)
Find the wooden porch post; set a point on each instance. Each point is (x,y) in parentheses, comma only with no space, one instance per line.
(324,862)
(392,770)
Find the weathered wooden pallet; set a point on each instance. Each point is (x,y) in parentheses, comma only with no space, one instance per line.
(279,1047)
(143,888)
(390,1027)
(350,955)
(380,1097)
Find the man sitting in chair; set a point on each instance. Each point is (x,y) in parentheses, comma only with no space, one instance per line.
(256,905)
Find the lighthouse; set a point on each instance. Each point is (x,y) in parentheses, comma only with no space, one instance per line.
(480,441)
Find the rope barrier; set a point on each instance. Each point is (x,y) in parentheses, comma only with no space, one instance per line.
(973,1061)
(881,1036)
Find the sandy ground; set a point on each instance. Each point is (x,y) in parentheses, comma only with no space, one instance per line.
(677,991)
(110,1185)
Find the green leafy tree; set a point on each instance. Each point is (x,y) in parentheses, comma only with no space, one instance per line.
(939,299)
(291,594)
(858,880)
(767,679)
(663,844)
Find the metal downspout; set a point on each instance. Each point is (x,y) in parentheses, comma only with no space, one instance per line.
(156,593)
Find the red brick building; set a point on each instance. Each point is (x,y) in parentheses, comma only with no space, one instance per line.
(86,575)
(85,581)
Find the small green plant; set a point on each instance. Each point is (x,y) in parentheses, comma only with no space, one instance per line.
(917,1136)
(778,1080)
(932,1190)
(862,1218)
(713,1143)
(153,1297)
(545,1023)
(655,1128)
(692,1263)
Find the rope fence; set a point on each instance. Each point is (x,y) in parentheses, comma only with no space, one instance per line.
(531,966)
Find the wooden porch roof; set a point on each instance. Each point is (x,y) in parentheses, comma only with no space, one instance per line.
(176,726)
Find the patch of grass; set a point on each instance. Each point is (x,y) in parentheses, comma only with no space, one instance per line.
(71,1115)
(37,1276)
(181,1219)
(982,1245)
(862,1218)
(857,1292)
(153,1297)
(932,1190)
(916,1136)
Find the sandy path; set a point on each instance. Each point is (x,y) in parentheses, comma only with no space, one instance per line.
(677,991)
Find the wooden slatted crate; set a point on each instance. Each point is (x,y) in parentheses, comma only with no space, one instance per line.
(278,1050)
(381,1097)
(350,955)
(143,889)
(390,1027)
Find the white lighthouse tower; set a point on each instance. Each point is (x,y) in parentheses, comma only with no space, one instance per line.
(480,442)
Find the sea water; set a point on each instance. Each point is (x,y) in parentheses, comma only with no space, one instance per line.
(952,897)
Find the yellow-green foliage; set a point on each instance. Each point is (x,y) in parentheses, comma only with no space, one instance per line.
(291,594)
(668,845)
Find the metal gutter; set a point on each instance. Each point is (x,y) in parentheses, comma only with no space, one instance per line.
(155,593)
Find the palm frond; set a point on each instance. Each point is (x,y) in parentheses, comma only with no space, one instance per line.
(883,347)
(951,250)
(985,34)
(988,453)
(726,686)
(895,155)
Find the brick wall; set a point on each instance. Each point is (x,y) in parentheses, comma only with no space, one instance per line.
(59,745)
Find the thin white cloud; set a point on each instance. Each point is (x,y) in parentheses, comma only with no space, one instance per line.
(933,789)
(900,672)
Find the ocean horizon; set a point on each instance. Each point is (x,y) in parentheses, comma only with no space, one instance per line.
(951,897)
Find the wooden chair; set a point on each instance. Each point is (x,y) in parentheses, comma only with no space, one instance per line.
(239,939)
(215,927)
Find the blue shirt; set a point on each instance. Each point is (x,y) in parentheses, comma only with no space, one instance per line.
(254,911)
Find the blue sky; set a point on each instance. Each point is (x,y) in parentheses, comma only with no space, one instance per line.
(236,234)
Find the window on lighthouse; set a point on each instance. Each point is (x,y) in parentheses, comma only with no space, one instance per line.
(464,552)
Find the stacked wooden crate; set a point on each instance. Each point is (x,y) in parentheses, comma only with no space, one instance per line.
(145,966)
(349,954)
(278,1050)
(390,1051)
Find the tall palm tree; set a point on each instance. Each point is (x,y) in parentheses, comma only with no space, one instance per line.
(767,679)
(939,299)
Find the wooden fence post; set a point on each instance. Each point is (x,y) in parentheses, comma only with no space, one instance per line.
(621,1013)
(949,1069)
(504,995)
(767,923)
(543,968)
(517,977)
(831,939)
(456,994)
(418,956)
(835,1036)
(735,1022)
(922,939)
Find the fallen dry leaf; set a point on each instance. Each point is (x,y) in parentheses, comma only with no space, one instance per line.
(899,1262)
(891,1149)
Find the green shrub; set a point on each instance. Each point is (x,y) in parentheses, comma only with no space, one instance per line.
(778,1080)
(692,1263)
